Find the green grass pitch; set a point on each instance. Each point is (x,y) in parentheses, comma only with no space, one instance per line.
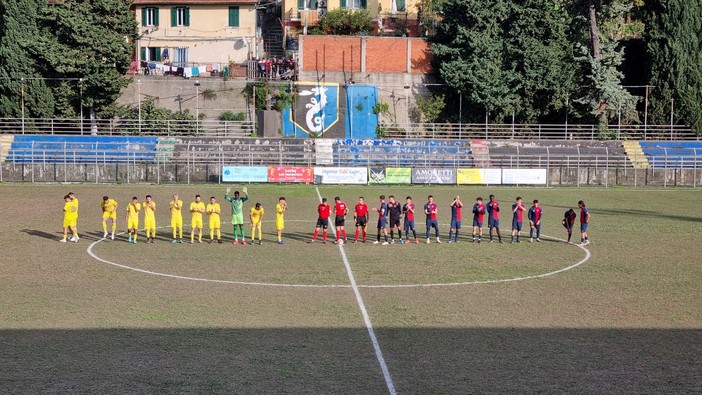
(284,319)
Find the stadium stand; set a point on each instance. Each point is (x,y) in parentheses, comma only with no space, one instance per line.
(673,154)
(635,154)
(551,153)
(5,145)
(81,149)
(403,152)
(245,151)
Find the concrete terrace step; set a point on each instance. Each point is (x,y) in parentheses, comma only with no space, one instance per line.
(5,145)
(635,154)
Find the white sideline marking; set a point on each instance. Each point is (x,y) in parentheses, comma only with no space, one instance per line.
(364,312)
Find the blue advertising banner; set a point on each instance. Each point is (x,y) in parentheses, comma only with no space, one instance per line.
(245,174)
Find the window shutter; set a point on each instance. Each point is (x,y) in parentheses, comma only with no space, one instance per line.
(174,17)
(313,4)
(343,4)
(143,54)
(234,16)
(143,17)
(300,4)
(364,4)
(157,57)
(187,16)
(155,16)
(401,5)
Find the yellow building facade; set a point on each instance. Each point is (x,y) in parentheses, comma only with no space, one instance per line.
(308,11)
(195,32)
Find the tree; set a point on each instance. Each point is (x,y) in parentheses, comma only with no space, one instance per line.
(347,22)
(19,70)
(90,40)
(675,59)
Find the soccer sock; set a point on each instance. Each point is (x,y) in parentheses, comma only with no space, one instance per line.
(211,234)
(135,236)
(219,234)
(456,238)
(414,232)
(192,236)
(473,235)
(324,235)
(104,227)
(130,236)
(392,234)
(437,232)
(531,232)
(399,234)
(428,232)
(260,234)
(386,238)
(199,236)
(450,234)
(243,233)
(337,235)
(364,234)
(378,234)
(175,232)
(490,234)
(316,232)
(236,232)
(357,232)
(114,227)
(499,236)
(344,232)
(538,232)
(66,236)
(180,232)
(480,237)
(280,236)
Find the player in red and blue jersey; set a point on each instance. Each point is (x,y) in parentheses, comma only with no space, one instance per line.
(517,218)
(493,210)
(340,210)
(456,207)
(534,216)
(395,215)
(324,210)
(382,211)
(584,220)
(432,222)
(478,219)
(408,209)
(360,215)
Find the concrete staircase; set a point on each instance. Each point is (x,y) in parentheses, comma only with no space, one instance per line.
(272,32)
(5,145)
(635,154)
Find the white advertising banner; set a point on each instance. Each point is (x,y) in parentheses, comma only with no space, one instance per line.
(341,175)
(524,176)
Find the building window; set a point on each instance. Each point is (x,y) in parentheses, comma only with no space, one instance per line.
(149,16)
(354,4)
(151,54)
(234,16)
(180,16)
(401,7)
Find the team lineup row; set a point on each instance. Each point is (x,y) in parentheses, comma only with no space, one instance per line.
(390,216)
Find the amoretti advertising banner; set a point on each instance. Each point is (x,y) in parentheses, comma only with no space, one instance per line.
(433,176)
(290,174)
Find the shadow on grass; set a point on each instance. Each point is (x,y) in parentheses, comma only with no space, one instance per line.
(635,212)
(316,360)
(42,234)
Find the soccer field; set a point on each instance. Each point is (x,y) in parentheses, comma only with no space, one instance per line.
(621,315)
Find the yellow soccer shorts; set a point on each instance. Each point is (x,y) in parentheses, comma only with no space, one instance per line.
(279,225)
(66,222)
(132,224)
(150,224)
(109,215)
(196,223)
(176,222)
(214,223)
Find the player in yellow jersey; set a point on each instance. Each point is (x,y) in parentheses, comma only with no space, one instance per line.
(74,201)
(213,210)
(280,210)
(176,207)
(256,216)
(132,218)
(196,209)
(150,218)
(109,212)
(68,220)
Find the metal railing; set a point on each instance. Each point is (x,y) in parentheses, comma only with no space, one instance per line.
(537,131)
(122,127)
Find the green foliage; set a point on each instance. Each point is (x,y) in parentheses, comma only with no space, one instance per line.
(159,120)
(18,32)
(209,94)
(381,108)
(347,22)
(675,51)
(230,116)
(267,96)
(431,107)
(88,39)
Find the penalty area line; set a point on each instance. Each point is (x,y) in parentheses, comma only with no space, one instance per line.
(364,313)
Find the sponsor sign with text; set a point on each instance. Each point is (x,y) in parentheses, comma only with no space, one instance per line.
(290,174)
(433,176)
(390,175)
(341,175)
(524,176)
(479,176)
(244,174)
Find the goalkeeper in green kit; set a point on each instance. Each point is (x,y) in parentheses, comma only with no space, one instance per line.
(237,213)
